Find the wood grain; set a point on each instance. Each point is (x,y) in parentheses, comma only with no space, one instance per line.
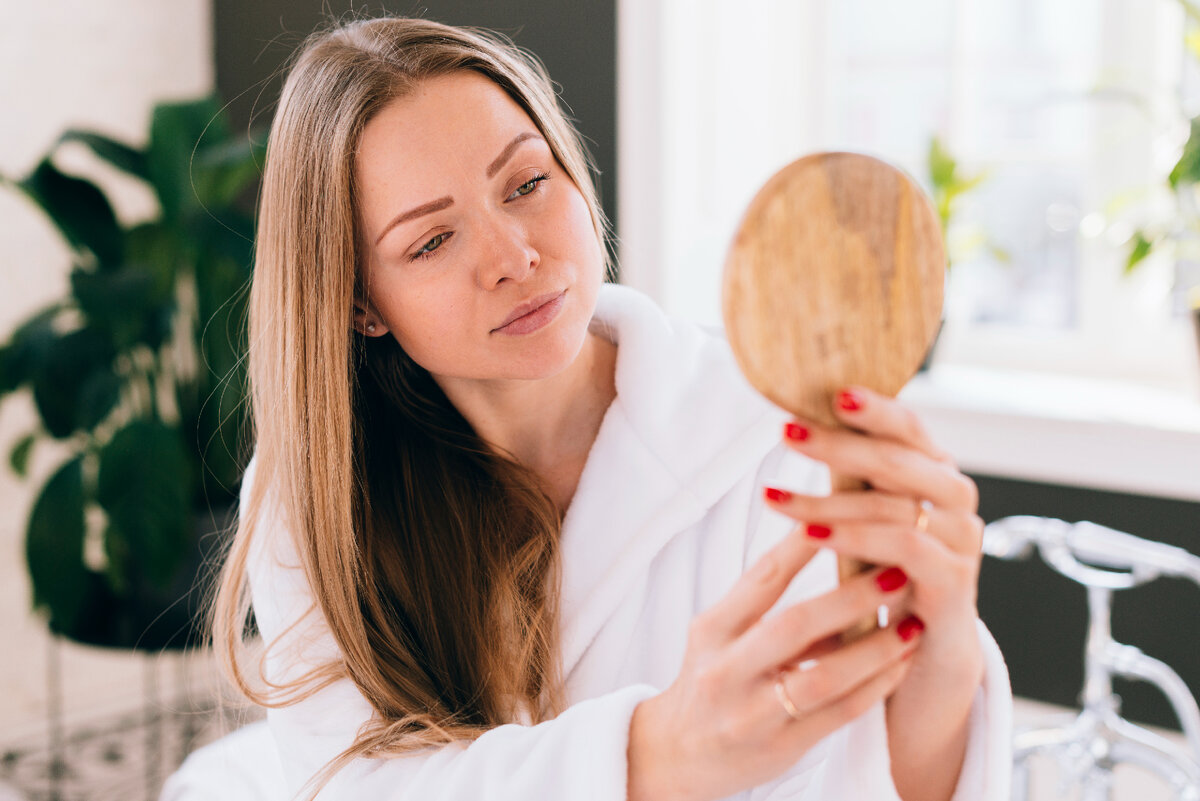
(834,277)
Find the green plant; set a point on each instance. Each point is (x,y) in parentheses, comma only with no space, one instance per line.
(1182,180)
(138,372)
(948,185)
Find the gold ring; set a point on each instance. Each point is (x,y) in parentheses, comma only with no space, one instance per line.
(923,508)
(785,701)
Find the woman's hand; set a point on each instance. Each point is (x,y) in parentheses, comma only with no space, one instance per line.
(918,515)
(754,694)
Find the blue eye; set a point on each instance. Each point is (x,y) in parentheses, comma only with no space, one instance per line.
(433,244)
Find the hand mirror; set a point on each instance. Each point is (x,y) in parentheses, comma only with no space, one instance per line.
(834,277)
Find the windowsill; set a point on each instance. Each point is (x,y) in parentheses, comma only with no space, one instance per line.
(1063,430)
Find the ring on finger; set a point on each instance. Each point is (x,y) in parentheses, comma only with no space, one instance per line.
(923,509)
(785,700)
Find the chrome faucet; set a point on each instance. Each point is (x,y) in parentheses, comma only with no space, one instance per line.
(1089,747)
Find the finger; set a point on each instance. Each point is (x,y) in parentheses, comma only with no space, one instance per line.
(756,591)
(853,704)
(939,575)
(842,506)
(892,516)
(888,466)
(816,682)
(867,411)
(889,544)
(783,637)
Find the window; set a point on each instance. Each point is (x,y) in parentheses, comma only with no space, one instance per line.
(1072,109)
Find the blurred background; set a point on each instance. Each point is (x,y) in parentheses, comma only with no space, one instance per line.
(1055,137)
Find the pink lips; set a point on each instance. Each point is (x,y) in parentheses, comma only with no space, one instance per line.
(532,315)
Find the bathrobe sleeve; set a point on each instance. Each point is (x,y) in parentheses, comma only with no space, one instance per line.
(581,754)
(853,762)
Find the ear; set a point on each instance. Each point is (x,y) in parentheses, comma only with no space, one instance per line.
(367,321)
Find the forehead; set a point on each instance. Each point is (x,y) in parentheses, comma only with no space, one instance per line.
(451,121)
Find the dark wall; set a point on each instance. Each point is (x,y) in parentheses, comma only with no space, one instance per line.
(1039,618)
(576,41)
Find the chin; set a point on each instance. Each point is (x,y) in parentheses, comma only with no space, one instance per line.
(547,353)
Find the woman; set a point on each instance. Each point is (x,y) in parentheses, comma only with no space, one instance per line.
(499,520)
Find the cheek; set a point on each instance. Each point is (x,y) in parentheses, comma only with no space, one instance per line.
(419,317)
(428,331)
(579,234)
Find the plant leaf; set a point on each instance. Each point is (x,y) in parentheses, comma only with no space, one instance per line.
(941,164)
(18,458)
(118,556)
(71,363)
(1187,169)
(1192,40)
(54,547)
(222,172)
(176,132)
(120,155)
(80,211)
(26,349)
(1140,250)
(145,486)
(159,250)
(124,303)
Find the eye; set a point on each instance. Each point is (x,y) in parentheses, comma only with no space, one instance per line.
(433,244)
(529,186)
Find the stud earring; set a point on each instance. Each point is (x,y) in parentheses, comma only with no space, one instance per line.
(370,328)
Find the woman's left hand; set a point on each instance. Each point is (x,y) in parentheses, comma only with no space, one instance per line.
(917,513)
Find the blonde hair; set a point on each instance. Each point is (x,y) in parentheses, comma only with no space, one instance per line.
(419,542)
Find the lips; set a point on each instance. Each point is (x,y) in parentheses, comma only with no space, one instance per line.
(529,308)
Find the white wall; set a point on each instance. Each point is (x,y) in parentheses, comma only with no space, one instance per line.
(98,65)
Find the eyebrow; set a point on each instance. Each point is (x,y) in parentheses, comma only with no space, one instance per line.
(447,202)
(412,214)
(507,152)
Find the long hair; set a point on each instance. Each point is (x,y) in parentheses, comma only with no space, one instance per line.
(433,559)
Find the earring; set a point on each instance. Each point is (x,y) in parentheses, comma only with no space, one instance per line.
(370,328)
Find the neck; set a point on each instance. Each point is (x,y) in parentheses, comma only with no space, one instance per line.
(547,425)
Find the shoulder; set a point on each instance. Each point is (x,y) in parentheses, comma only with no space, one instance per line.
(654,347)
(681,391)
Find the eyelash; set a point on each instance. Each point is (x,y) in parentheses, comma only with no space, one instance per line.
(532,183)
(426,252)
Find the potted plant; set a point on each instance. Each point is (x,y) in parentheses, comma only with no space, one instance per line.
(947,185)
(138,371)
(1180,227)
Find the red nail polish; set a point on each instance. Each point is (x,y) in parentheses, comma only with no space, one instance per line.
(818,531)
(891,579)
(796,432)
(777,495)
(849,401)
(910,627)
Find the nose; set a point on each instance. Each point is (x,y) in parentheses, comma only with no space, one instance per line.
(507,253)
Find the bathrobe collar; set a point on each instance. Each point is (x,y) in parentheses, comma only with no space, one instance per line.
(684,428)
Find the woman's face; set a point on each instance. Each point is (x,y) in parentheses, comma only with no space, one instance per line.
(481,257)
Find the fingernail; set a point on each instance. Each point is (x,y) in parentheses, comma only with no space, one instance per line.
(796,432)
(777,495)
(910,627)
(891,579)
(817,530)
(849,401)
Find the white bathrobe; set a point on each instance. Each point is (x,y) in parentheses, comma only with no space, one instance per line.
(667,515)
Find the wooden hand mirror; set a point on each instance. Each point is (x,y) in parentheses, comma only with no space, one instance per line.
(835,277)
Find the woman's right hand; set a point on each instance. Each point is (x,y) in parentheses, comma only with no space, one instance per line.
(721,728)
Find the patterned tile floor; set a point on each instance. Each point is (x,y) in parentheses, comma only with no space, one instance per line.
(122,759)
